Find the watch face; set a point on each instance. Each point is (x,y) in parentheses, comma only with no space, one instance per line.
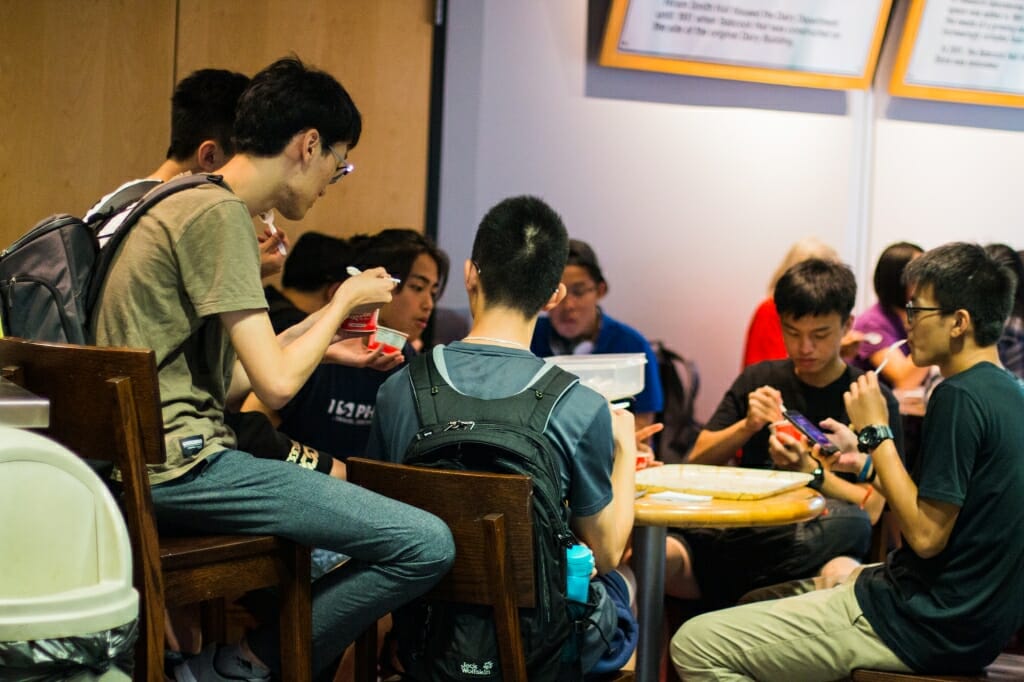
(872,436)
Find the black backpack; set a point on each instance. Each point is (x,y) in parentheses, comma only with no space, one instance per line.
(50,278)
(443,641)
(680,383)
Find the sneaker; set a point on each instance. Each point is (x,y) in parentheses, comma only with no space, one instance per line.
(219,664)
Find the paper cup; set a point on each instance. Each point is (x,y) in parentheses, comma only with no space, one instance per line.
(360,323)
(391,339)
(788,429)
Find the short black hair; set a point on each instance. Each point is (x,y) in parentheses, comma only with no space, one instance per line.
(582,255)
(816,287)
(395,249)
(316,260)
(888,279)
(964,276)
(1005,255)
(203,108)
(520,252)
(287,98)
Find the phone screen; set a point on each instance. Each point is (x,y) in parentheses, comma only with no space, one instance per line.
(809,429)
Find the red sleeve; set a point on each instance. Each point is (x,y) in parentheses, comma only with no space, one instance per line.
(764,336)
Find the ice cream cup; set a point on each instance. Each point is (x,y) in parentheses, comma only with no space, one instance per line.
(360,322)
(788,429)
(391,339)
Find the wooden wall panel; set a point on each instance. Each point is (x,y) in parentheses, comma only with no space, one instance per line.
(380,51)
(84,102)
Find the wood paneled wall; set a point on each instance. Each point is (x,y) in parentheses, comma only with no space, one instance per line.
(85,91)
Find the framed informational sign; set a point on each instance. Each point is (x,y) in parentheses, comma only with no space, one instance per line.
(808,43)
(962,51)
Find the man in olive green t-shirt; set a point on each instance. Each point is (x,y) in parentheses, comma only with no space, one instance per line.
(186,284)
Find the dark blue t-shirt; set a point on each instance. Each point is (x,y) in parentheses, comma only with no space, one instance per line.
(613,337)
(333,411)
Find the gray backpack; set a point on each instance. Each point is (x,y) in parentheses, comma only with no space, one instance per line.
(50,279)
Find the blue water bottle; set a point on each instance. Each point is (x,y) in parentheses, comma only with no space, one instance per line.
(579,565)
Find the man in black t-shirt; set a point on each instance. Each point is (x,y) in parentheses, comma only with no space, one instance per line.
(950,598)
(814,299)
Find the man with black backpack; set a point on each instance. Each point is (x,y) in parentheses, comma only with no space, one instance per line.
(583,476)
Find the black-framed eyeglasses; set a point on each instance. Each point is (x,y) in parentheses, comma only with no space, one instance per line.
(913,310)
(578,291)
(343,169)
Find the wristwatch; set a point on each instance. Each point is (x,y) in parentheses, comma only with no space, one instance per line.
(819,478)
(870,437)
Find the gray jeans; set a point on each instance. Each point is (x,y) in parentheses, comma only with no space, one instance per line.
(398,552)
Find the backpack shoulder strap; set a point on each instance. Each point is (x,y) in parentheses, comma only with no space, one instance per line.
(425,381)
(548,389)
(153,197)
(121,199)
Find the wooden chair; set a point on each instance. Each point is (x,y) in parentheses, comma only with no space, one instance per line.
(1007,667)
(490,519)
(104,405)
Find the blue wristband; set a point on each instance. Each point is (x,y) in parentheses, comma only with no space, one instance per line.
(863,475)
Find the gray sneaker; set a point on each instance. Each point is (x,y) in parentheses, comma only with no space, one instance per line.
(219,664)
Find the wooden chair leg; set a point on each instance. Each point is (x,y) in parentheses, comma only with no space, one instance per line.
(213,615)
(296,614)
(366,655)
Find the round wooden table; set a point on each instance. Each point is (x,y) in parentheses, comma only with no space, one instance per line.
(652,519)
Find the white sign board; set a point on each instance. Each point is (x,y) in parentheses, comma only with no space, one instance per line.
(817,36)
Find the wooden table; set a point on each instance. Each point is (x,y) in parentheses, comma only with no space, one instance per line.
(653,517)
(22,409)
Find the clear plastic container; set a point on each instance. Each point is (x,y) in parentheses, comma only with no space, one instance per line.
(616,376)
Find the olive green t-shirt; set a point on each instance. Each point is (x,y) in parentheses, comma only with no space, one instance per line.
(191,257)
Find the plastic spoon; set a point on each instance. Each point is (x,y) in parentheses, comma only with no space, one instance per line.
(268,218)
(888,354)
(353,271)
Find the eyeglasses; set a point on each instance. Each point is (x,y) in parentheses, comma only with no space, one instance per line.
(913,310)
(343,169)
(579,291)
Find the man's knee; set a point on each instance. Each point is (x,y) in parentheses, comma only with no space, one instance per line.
(434,550)
(691,645)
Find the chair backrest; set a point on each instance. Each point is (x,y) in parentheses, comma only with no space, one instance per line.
(461,499)
(104,404)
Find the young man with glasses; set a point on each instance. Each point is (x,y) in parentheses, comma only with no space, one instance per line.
(951,597)
(579,325)
(814,299)
(186,283)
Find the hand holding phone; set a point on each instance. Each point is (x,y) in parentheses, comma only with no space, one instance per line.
(809,429)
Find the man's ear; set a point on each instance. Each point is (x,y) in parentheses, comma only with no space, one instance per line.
(470,275)
(848,325)
(602,289)
(209,156)
(556,298)
(309,141)
(962,323)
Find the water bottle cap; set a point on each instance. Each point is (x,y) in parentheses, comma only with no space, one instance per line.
(578,552)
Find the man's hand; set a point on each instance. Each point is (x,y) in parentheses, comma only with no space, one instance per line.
(644,454)
(865,403)
(624,433)
(351,351)
(765,407)
(367,291)
(789,453)
(271,258)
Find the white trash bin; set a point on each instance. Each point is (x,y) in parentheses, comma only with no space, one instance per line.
(67,605)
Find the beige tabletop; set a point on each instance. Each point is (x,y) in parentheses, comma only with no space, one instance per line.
(801,504)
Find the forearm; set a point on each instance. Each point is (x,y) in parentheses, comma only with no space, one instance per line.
(718,447)
(892,477)
(861,494)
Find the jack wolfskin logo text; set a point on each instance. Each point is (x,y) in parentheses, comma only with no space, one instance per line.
(470,668)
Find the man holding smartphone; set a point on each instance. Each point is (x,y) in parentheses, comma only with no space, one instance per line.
(814,299)
(951,597)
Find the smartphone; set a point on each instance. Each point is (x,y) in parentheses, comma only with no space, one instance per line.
(809,429)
